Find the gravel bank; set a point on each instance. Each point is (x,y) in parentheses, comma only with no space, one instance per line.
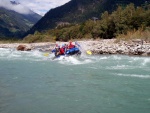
(107,46)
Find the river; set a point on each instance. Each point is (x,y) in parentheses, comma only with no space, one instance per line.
(33,83)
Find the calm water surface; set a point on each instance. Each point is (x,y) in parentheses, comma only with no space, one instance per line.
(33,83)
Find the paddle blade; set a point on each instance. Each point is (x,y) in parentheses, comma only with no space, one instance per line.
(89,52)
(46,54)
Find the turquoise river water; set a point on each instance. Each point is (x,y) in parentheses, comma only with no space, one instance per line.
(33,83)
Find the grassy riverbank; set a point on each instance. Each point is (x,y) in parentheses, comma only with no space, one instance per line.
(135,34)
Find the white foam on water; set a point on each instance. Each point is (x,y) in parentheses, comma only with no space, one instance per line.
(121,67)
(103,58)
(15,54)
(36,55)
(142,61)
(71,60)
(137,59)
(132,75)
(61,58)
(146,61)
(94,58)
(11,54)
(93,67)
(4,52)
(116,57)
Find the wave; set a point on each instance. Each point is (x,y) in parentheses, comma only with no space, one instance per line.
(120,67)
(116,61)
(73,60)
(35,55)
(132,75)
(12,54)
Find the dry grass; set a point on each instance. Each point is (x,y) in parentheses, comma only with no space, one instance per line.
(135,34)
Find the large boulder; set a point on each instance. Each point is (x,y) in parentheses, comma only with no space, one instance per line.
(23,48)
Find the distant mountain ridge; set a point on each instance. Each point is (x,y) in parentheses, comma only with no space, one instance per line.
(77,11)
(13,22)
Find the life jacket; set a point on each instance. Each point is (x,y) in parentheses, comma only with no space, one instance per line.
(71,46)
(61,51)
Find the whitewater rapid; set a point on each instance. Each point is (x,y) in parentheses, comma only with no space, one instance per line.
(32,82)
(99,62)
(36,55)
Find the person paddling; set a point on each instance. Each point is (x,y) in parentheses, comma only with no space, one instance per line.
(70,46)
(57,49)
(61,51)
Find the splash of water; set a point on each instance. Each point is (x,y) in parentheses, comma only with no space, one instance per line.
(35,55)
(132,75)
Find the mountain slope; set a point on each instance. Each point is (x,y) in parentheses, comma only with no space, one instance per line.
(77,11)
(14,24)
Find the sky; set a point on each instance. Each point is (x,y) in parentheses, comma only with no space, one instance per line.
(38,6)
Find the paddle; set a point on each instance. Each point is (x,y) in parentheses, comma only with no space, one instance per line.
(88,51)
(46,54)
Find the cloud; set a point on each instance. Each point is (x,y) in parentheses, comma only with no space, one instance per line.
(42,6)
(38,6)
(17,8)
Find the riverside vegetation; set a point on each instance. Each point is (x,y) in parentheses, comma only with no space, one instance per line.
(125,23)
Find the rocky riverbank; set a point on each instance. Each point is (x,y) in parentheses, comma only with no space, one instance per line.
(133,47)
(107,46)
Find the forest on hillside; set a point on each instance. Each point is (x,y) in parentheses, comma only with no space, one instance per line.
(108,26)
(78,11)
